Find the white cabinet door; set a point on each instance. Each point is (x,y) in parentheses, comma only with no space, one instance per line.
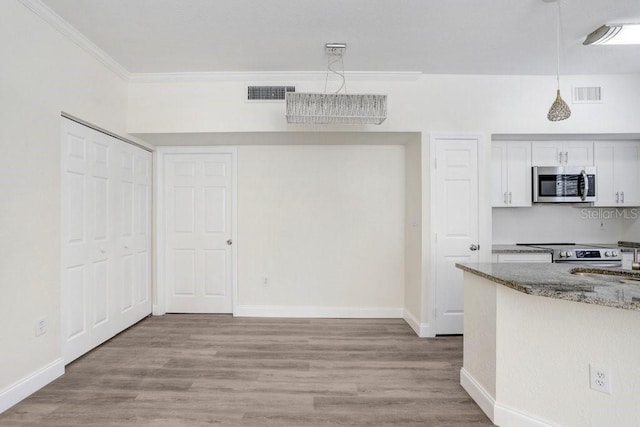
(511,174)
(198,232)
(499,189)
(604,155)
(578,153)
(627,176)
(519,174)
(94,276)
(456,219)
(544,153)
(618,176)
(562,153)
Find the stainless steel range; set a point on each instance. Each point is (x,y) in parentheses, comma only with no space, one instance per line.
(586,255)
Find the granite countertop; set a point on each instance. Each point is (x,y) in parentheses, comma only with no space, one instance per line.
(621,246)
(621,290)
(632,245)
(521,249)
(518,249)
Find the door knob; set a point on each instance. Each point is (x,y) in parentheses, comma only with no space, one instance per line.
(474,247)
(229,242)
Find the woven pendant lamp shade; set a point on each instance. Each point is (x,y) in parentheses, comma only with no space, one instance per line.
(559,109)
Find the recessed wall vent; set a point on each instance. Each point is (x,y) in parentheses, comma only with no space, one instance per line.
(587,94)
(268,93)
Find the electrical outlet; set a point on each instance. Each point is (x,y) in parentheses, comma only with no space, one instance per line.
(41,326)
(600,379)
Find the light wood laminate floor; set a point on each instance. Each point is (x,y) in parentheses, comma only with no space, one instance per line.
(192,370)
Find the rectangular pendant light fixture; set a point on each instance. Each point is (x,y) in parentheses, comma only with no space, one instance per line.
(615,34)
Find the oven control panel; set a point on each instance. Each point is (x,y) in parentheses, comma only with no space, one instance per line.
(587,254)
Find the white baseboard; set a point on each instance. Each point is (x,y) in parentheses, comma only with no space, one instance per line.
(485,401)
(499,414)
(30,384)
(423,330)
(318,312)
(509,417)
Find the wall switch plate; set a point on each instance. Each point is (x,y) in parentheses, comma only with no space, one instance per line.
(41,326)
(600,378)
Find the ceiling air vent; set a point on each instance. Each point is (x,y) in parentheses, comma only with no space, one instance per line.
(587,94)
(268,93)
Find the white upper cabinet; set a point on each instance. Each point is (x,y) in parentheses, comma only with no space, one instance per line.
(511,174)
(617,173)
(562,153)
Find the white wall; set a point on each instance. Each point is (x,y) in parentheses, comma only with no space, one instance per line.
(324,224)
(427,104)
(430,103)
(413,231)
(42,74)
(563,223)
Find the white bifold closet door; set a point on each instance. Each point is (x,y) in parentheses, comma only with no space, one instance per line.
(106,237)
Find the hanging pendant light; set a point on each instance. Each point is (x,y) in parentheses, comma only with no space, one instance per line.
(559,109)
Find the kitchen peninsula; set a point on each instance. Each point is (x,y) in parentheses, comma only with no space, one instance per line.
(532,332)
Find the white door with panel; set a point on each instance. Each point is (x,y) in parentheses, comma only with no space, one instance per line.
(456,222)
(95,270)
(198,233)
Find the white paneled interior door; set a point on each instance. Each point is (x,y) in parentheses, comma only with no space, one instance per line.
(99,264)
(198,232)
(456,226)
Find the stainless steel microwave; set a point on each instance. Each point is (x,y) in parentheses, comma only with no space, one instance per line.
(567,184)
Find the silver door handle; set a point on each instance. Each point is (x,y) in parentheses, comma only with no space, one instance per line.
(566,157)
(622,196)
(560,157)
(474,247)
(509,197)
(505,197)
(617,197)
(229,242)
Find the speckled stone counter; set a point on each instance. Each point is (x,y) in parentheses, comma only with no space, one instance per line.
(518,249)
(629,244)
(621,290)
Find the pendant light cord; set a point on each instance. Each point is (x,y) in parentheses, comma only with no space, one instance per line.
(330,64)
(558,43)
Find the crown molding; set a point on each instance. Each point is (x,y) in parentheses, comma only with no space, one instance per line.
(64,28)
(269,76)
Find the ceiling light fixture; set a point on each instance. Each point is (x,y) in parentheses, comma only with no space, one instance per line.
(559,109)
(335,108)
(614,34)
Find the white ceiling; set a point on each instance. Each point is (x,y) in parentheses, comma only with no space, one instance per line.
(430,36)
